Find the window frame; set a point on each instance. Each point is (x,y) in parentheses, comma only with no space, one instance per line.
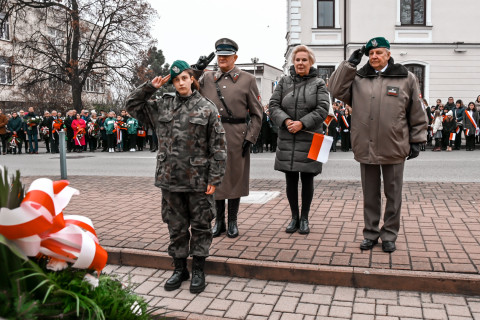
(5,26)
(421,82)
(332,26)
(412,16)
(329,67)
(6,69)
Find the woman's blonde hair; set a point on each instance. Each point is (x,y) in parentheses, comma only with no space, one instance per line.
(303,48)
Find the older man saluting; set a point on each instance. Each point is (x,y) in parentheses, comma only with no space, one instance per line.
(235,93)
(388,126)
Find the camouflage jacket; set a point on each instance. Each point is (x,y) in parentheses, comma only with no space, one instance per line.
(191,139)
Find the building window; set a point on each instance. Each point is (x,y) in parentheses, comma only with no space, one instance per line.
(4,28)
(419,71)
(56,38)
(325,14)
(94,85)
(5,71)
(325,72)
(412,12)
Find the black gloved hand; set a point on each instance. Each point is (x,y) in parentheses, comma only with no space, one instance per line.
(245,147)
(414,150)
(356,56)
(203,62)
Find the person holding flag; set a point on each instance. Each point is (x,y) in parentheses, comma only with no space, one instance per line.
(470,123)
(300,103)
(388,126)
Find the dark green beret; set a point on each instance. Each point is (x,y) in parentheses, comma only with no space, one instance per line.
(226,47)
(378,42)
(177,67)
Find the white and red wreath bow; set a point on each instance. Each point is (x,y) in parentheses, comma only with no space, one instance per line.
(38,226)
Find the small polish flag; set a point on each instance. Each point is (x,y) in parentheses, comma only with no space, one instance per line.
(467,132)
(320,148)
(452,136)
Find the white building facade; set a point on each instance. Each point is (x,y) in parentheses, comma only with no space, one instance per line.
(438,40)
(13,95)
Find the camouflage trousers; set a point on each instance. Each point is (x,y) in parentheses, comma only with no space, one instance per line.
(181,210)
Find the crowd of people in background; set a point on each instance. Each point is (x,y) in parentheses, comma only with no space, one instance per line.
(447,123)
(21,132)
(108,132)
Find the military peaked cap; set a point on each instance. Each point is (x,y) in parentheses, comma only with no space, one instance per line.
(226,47)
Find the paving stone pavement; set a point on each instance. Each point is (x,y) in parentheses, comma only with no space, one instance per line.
(440,229)
(249,299)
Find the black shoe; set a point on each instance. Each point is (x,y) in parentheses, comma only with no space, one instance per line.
(219,226)
(153,150)
(368,244)
(179,275)
(232,231)
(197,284)
(293,226)
(388,246)
(304,229)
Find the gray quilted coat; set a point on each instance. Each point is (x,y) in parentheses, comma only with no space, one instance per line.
(304,99)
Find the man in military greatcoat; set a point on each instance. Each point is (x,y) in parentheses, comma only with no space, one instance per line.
(235,93)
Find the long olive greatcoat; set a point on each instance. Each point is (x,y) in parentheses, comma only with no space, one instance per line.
(387,113)
(241,95)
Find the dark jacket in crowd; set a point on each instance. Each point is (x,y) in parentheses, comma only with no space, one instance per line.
(449,106)
(448,127)
(302,99)
(467,124)
(15,124)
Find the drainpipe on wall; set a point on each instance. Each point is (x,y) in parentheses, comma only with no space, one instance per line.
(344,29)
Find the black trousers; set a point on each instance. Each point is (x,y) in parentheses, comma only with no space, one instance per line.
(111,140)
(132,140)
(4,137)
(470,142)
(458,140)
(54,142)
(292,192)
(92,143)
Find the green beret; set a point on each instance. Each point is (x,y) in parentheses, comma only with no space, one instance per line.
(378,42)
(177,67)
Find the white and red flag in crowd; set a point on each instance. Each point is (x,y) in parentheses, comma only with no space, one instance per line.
(452,136)
(320,148)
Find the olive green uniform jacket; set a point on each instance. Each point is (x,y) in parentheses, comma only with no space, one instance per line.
(191,139)
(387,113)
(241,95)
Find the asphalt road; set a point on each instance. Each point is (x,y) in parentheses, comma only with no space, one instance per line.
(456,166)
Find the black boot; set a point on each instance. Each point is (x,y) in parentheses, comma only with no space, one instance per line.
(294,224)
(233,205)
(179,275)
(219,226)
(198,276)
(304,229)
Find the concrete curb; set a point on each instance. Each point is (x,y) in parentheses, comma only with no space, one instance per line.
(441,282)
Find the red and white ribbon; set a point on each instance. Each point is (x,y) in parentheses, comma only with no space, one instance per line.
(38,226)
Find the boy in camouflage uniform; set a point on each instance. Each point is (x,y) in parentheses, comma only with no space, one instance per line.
(190,165)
